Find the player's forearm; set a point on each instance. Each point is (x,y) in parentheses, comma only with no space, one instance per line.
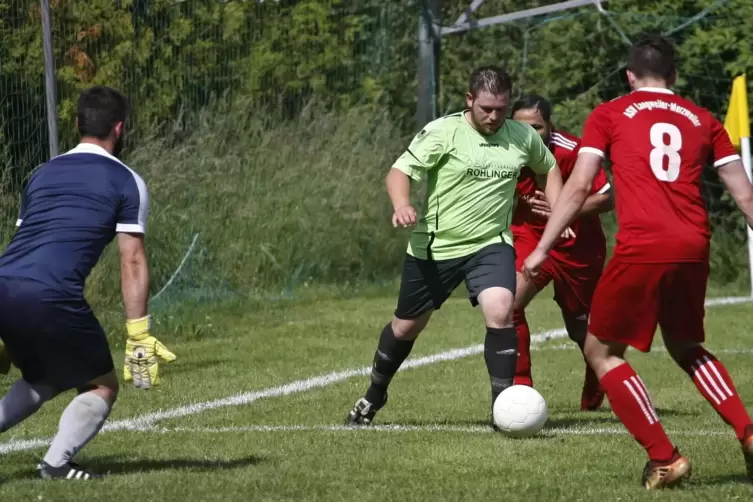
(735,179)
(134,277)
(553,187)
(745,204)
(565,210)
(398,188)
(596,204)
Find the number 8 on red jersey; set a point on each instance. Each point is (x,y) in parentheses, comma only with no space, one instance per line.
(658,143)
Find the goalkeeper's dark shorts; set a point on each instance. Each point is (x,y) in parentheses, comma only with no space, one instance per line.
(52,340)
(426,284)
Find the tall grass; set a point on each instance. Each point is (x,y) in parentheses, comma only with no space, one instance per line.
(274,203)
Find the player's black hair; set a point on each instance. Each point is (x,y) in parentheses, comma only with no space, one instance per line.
(534,102)
(492,79)
(100,108)
(652,56)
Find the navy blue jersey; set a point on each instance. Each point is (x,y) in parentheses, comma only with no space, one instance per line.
(71,208)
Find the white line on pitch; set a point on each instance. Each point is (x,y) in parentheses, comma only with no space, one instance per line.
(572,346)
(554,431)
(147,420)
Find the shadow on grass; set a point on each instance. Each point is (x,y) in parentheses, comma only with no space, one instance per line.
(115,465)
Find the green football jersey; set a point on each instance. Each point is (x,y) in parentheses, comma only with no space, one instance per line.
(471,183)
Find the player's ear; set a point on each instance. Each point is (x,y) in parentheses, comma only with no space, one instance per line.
(118,130)
(469,100)
(631,78)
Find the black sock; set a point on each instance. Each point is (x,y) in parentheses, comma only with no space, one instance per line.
(501,356)
(389,355)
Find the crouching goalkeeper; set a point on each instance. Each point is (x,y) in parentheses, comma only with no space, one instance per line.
(71,208)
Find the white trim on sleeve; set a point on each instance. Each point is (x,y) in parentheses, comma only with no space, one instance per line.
(18,222)
(588,149)
(726,160)
(604,189)
(130,228)
(143,198)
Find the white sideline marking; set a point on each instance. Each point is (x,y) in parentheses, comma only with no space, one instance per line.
(654,350)
(146,421)
(554,431)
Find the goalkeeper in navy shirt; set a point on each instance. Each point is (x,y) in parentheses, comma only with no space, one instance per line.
(71,208)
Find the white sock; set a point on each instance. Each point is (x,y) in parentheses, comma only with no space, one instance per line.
(21,401)
(79,423)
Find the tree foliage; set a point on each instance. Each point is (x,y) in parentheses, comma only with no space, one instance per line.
(173,57)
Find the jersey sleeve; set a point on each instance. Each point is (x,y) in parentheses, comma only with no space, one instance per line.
(723,150)
(597,133)
(134,207)
(540,159)
(424,153)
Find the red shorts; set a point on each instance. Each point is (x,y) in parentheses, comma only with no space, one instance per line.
(575,277)
(632,298)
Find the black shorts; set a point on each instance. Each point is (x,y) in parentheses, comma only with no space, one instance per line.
(55,342)
(426,284)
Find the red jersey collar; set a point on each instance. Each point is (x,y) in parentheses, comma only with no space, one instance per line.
(660,90)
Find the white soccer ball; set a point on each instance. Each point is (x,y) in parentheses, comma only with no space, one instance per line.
(520,411)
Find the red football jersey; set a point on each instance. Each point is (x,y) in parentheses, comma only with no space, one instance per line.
(659,144)
(588,231)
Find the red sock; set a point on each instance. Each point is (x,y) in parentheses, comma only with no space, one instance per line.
(523,366)
(632,405)
(712,380)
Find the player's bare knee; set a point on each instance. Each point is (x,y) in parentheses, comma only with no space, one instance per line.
(409,329)
(497,306)
(106,387)
(603,356)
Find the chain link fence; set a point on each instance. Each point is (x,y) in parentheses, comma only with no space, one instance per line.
(264,128)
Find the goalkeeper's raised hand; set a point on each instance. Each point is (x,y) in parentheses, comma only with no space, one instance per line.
(143,353)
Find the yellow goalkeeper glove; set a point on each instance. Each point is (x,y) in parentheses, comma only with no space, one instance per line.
(4,359)
(142,355)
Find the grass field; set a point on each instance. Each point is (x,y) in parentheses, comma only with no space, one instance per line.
(277,435)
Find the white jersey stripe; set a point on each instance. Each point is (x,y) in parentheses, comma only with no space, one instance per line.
(563,139)
(563,145)
(563,142)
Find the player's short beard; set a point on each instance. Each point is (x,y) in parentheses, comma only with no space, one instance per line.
(485,130)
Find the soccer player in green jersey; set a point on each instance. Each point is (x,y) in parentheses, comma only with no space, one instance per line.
(471,160)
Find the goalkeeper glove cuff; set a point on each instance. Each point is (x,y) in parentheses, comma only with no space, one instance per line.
(138,329)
